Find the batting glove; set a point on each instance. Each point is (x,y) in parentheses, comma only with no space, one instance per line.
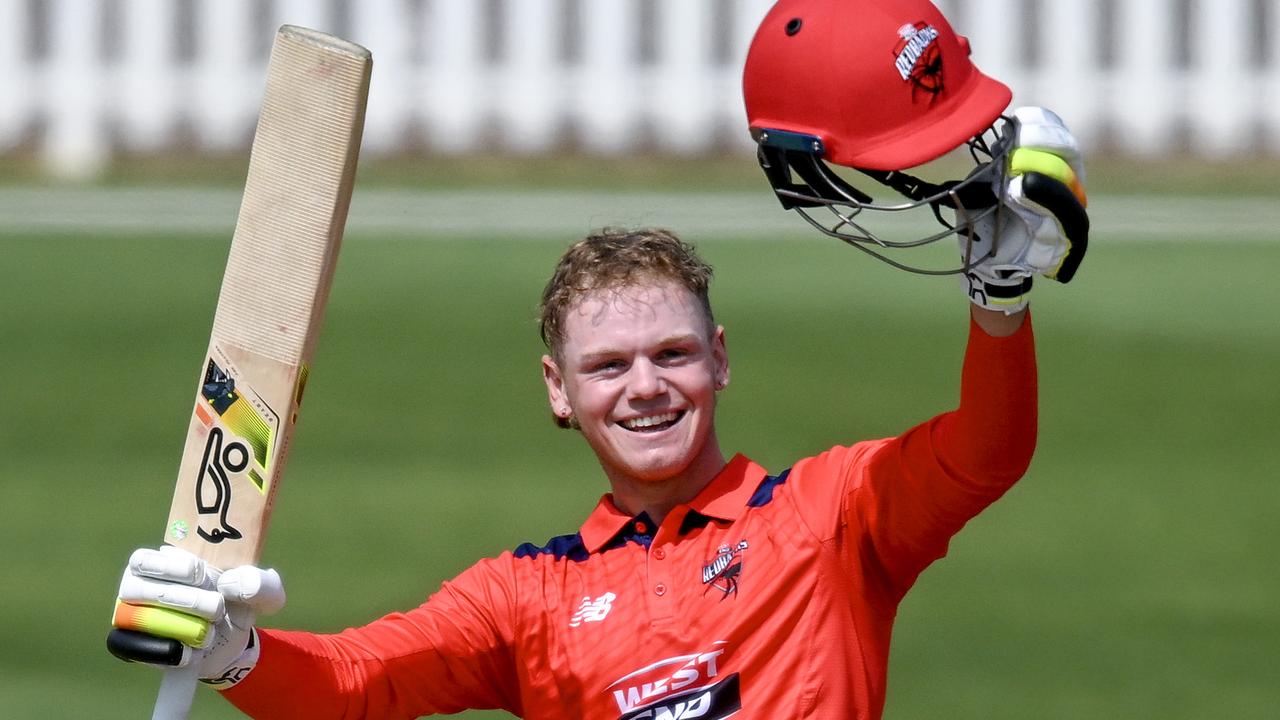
(175,609)
(1041,226)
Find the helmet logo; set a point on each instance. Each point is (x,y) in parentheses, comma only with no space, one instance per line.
(918,57)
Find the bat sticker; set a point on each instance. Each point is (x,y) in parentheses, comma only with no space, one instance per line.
(245,445)
(213,474)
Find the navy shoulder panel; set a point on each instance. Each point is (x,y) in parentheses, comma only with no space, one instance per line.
(561,547)
(764,492)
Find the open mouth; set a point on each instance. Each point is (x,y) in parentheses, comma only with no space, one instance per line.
(652,423)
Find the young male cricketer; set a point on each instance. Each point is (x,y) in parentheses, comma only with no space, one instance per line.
(701,587)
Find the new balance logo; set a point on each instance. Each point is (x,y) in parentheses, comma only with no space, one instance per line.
(593,610)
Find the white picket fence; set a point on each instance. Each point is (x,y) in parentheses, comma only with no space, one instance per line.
(83,80)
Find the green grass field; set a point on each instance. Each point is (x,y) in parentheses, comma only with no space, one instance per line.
(1130,574)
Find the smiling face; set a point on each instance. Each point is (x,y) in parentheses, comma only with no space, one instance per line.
(638,370)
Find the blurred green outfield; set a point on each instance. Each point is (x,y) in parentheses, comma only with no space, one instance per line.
(1132,573)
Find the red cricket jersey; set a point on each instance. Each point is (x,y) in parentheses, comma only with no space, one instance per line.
(767,596)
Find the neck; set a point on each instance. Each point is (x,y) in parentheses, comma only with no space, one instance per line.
(634,495)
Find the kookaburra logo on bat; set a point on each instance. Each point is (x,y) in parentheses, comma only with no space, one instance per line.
(224,456)
(213,487)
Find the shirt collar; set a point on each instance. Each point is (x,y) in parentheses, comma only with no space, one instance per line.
(725,498)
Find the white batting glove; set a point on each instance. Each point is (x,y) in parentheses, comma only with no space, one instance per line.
(1041,228)
(178,609)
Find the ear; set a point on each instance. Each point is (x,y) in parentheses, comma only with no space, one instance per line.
(556,394)
(720,356)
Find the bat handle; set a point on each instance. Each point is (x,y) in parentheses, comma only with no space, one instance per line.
(177,690)
(178,687)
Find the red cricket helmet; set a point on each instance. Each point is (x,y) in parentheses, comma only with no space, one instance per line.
(879,86)
(885,84)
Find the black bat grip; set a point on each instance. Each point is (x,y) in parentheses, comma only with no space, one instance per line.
(134,646)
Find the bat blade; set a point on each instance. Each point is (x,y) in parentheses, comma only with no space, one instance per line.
(301,173)
(279,270)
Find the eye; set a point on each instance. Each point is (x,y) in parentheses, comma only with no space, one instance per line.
(605,366)
(673,354)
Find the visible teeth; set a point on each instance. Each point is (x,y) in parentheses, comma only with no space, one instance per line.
(645,422)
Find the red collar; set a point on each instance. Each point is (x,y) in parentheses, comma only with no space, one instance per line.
(725,498)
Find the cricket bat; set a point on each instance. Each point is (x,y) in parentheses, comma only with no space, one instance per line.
(251,381)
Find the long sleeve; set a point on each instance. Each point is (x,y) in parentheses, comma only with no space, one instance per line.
(919,489)
(449,654)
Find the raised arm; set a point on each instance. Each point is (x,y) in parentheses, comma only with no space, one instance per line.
(920,488)
(923,486)
(450,654)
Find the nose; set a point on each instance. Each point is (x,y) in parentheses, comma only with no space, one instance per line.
(645,380)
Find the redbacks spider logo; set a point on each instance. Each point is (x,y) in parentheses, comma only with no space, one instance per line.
(918,57)
(725,571)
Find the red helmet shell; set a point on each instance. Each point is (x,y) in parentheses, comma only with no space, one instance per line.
(886,84)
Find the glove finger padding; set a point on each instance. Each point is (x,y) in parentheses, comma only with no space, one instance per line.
(1053,199)
(1041,129)
(173,608)
(1041,229)
(173,565)
(206,604)
(1040,226)
(249,592)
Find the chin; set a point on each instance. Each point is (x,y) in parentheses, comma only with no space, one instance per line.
(655,474)
(658,466)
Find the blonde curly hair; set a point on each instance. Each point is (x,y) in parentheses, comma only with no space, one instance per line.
(614,258)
